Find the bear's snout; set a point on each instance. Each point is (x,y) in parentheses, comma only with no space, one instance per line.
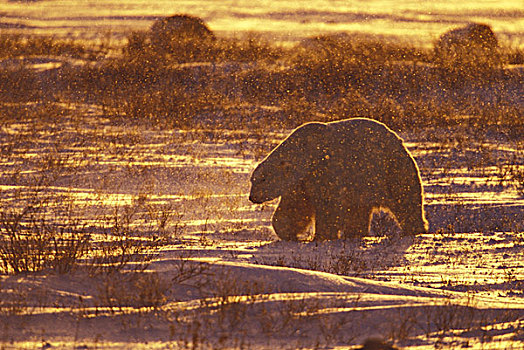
(258,197)
(255,200)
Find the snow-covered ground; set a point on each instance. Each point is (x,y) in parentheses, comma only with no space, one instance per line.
(209,271)
(221,279)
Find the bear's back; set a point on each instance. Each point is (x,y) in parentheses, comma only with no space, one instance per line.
(362,156)
(363,134)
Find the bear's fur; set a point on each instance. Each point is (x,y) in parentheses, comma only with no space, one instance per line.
(334,175)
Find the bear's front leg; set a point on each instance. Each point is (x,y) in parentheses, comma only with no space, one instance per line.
(292,217)
(328,222)
(326,231)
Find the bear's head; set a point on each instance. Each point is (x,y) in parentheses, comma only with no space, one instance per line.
(289,163)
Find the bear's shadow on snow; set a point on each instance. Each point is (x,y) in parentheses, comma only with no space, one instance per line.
(342,257)
(385,246)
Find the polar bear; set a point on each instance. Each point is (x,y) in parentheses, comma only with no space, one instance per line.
(334,174)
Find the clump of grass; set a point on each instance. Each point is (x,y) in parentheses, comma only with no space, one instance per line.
(37,244)
(16,45)
(30,239)
(189,49)
(511,172)
(517,177)
(19,84)
(126,292)
(323,78)
(124,245)
(512,54)
(41,230)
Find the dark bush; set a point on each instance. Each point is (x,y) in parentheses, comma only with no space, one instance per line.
(468,52)
(186,37)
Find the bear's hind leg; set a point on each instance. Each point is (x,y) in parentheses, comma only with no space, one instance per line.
(342,222)
(326,228)
(410,218)
(356,223)
(292,217)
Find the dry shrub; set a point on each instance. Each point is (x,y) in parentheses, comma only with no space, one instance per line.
(173,107)
(302,74)
(251,48)
(176,48)
(146,89)
(14,45)
(512,54)
(331,64)
(121,290)
(444,321)
(323,78)
(33,240)
(39,230)
(19,83)
(121,247)
(30,242)
(233,300)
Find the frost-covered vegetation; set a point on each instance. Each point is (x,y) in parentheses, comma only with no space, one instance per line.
(124,218)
